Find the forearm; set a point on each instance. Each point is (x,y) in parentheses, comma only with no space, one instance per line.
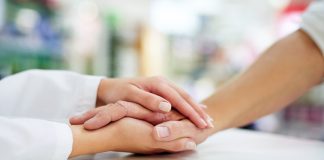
(283,73)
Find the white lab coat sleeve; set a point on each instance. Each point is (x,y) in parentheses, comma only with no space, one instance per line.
(34,139)
(49,95)
(313,23)
(31,102)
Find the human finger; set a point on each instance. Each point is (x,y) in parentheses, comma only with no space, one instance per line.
(149,100)
(109,113)
(80,119)
(178,145)
(198,107)
(180,104)
(172,130)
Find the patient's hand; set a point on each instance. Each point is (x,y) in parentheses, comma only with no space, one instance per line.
(173,130)
(126,135)
(101,116)
(154,93)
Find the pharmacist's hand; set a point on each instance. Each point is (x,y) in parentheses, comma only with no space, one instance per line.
(172,130)
(155,94)
(101,116)
(125,135)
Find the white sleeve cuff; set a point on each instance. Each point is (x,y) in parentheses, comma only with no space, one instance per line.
(34,139)
(313,23)
(64,142)
(88,92)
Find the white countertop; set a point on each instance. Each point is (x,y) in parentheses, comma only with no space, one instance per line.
(237,144)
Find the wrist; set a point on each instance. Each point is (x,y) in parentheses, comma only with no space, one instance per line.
(91,142)
(219,109)
(77,147)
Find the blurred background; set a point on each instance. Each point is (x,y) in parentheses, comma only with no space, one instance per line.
(199,45)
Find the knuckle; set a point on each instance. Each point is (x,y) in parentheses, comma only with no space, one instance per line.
(148,97)
(123,105)
(89,113)
(186,123)
(102,115)
(159,79)
(158,117)
(129,90)
(186,95)
(106,107)
(173,115)
(151,100)
(174,126)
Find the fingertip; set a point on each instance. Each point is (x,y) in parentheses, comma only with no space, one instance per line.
(210,122)
(71,120)
(75,119)
(90,125)
(203,106)
(155,118)
(201,123)
(190,145)
(93,123)
(183,144)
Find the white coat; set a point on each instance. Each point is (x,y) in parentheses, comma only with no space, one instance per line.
(34,109)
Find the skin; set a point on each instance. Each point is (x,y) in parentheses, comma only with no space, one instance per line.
(150,92)
(133,136)
(101,116)
(283,73)
(132,130)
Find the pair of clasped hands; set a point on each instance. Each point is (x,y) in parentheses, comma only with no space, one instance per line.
(140,115)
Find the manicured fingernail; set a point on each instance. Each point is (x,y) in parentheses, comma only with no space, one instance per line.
(202,106)
(191,145)
(210,122)
(203,122)
(165,106)
(162,132)
(211,119)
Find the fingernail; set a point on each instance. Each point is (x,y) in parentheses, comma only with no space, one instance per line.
(203,122)
(210,122)
(211,119)
(162,132)
(191,145)
(203,106)
(165,106)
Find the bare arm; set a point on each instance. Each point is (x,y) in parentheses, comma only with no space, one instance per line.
(283,73)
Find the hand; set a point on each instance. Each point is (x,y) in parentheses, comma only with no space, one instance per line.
(155,94)
(101,116)
(125,135)
(172,130)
